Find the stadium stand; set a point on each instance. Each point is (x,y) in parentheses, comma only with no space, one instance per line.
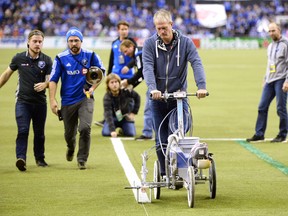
(99,18)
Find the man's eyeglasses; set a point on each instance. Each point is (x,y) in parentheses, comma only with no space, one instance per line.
(74,41)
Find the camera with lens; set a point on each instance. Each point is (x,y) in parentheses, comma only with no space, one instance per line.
(94,75)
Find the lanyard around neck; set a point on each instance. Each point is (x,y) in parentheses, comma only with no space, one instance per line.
(276,49)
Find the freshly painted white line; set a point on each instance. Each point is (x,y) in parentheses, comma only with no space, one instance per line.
(229,139)
(208,139)
(212,139)
(222,139)
(129,170)
(127,138)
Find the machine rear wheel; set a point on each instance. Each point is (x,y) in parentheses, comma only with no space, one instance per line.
(190,186)
(157,179)
(212,179)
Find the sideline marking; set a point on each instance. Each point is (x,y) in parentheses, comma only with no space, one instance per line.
(211,139)
(208,139)
(265,157)
(233,139)
(129,169)
(222,139)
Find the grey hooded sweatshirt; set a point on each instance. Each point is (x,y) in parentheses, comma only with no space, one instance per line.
(277,54)
(166,70)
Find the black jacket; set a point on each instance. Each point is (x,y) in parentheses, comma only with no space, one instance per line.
(127,101)
(138,76)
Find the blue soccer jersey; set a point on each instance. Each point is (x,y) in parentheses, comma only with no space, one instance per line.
(120,60)
(72,69)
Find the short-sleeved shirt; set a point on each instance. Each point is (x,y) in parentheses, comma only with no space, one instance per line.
(118,60)
(72,70)
(30,72)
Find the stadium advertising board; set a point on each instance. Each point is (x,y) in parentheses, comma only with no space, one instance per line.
(233,43)
(105,43)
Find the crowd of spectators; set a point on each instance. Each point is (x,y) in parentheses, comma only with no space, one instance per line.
(54,18)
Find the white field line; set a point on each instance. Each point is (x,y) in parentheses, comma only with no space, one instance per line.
(208,139)
(223,139)
(129,170)
(230,139)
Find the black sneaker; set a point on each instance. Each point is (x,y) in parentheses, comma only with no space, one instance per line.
(142,137)
(21,164)
(256,138)
(100,123)
(69,155)
(82,165)
(41,163)
(278,138)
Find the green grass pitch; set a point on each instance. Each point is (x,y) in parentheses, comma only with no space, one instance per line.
(248,183)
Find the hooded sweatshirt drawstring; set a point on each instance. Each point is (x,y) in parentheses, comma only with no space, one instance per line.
(178,55)
(178,50)
(156,47)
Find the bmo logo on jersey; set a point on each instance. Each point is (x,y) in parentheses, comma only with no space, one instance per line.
(75,72)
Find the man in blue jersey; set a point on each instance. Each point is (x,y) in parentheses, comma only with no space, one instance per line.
(117,59)
(118,62)
(77,109)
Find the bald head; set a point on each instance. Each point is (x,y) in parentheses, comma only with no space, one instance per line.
(274,31)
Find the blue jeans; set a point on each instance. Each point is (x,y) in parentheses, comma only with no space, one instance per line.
(159,110)
(148,123)
(270,90)
(128,127)
(24,114)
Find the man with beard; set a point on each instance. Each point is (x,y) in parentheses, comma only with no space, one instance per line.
(33,68)
(275,85)
(72,66)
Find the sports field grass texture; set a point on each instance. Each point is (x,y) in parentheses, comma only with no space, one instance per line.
(251,178)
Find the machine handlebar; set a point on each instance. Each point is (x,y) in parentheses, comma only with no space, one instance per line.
(179,95)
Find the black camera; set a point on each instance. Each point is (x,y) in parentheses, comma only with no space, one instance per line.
(59,113)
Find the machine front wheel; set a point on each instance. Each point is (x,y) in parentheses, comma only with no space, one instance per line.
(212,179)
(190,186)
(157,179)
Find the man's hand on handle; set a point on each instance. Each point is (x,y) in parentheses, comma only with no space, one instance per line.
(201,93)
